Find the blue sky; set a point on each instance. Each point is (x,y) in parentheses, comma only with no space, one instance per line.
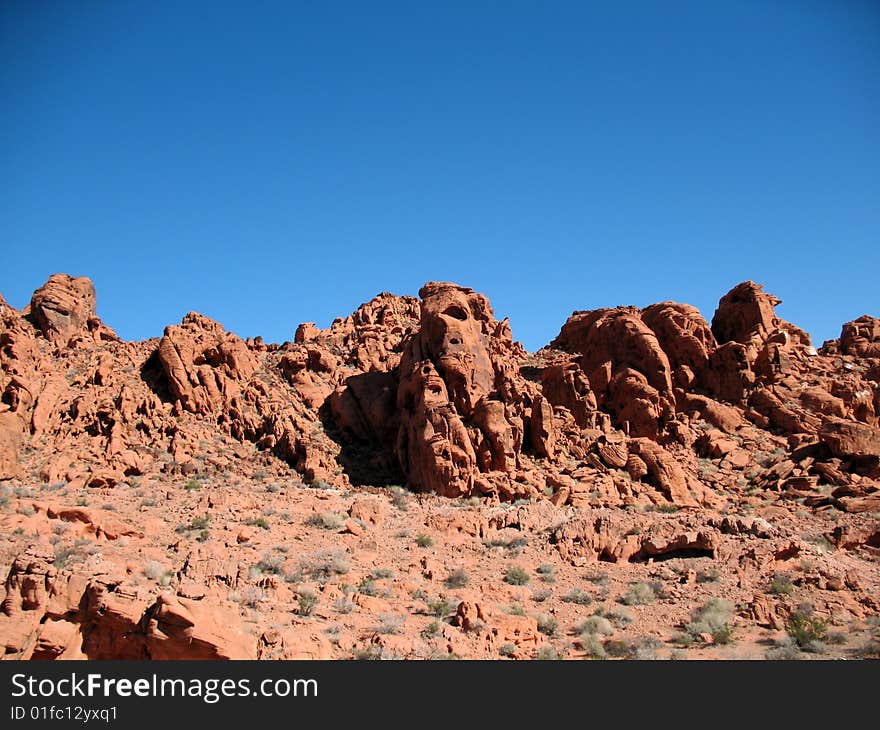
(267,163)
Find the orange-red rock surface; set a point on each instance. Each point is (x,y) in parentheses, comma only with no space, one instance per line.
(198,495)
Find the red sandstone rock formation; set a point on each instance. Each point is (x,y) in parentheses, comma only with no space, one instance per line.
(647,409)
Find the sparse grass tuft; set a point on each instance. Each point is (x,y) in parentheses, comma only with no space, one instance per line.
(806,629)
(272,563)
(594,625)
(306,602)
(326,521)
(639,594)
(578,596)
(324,564)
(547,624)
(781,585)
(592,646)
(440,607)
(260,522)
(400,497)
(389,623)
(432,630)
(547,654)
(516,576)
(458,578)
(714,619)
(785,650)
(154,570)
(712,575)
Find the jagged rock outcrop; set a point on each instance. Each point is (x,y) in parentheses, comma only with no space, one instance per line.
(617,438)
(64,308)
(204,364)
(861,337)
(462,404)
(434,392)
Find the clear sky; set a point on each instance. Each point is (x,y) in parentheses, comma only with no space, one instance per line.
(267,163)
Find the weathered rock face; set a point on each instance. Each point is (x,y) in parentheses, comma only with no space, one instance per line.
(432,392)
(460,400)
(684,336)
(861,337)
(204,364)
(49,615)
(64,307)
(11,438)
(627,368)
(849,438)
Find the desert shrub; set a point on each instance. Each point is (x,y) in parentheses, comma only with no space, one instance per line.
(271,563)
(516,610)
(513,544)
(617,615)
(371,652)
(440,607)
(668,508)
(781,585)
(683,639)
(344,604)
(432,630)
(547,624)
(711,575)
(382,574)
(516,576)
(644,647)
(595,625)
(260,522)
(251,596)
(368,587)
(639,594)
(507,650)
(324,564)
(578,596)
(541,595)
(400,497)
(389,623)
(154,570)
(67,555)
(806,629)
(714,619)
(192,485)
(424,541)
(546,571)
(598,578)
(785,650)
(326,521)
(306,602)
(547,654)
(592,646)
(458,578)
